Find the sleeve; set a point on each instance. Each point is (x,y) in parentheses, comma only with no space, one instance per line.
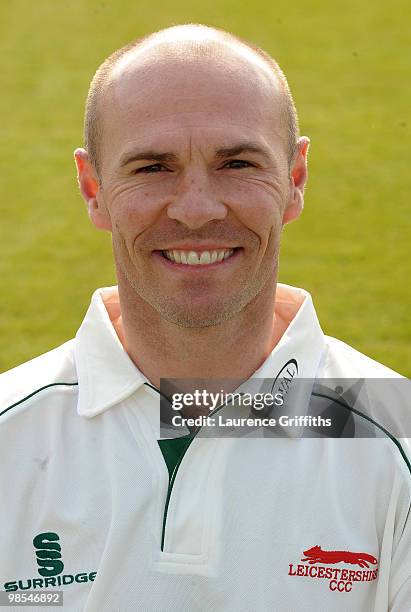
(400,576)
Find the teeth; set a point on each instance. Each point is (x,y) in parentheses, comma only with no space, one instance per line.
(194,258)
(205,257)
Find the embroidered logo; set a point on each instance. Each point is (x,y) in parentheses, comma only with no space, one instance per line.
(48,553)
(317,555)
(285,378)
(50,567)
(340,579)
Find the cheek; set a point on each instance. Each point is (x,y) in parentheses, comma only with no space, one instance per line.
(257,209)
(134,210)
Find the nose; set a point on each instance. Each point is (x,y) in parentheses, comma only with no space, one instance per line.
(195,203)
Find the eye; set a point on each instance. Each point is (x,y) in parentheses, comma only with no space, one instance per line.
(150,169)
(237,163)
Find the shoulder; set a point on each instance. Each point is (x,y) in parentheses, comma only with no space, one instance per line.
(52,370)
(377,397)
(341,360)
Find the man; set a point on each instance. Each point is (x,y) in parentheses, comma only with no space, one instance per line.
(193,162)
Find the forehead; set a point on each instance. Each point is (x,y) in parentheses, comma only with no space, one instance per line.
(213,96)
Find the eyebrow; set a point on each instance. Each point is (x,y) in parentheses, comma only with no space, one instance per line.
(148,155)
(243,147)
(220,153)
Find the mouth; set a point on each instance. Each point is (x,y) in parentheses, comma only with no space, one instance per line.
(184,257)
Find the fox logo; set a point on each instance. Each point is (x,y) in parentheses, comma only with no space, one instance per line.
(317,555)
(48,553)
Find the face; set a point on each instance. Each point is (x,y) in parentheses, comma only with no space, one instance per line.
(195,186)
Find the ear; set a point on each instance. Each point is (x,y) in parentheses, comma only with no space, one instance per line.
(89,185)
(298,179)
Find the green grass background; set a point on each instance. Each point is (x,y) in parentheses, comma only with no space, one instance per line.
(349,67)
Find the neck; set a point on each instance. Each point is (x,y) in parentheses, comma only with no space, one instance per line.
(233,349)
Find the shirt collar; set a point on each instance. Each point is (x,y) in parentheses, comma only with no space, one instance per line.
(107,375)
(303,340)
(296,356)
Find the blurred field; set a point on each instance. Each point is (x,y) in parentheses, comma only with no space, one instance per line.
(349,67)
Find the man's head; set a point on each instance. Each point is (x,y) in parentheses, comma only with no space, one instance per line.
(198,40)
(192,146)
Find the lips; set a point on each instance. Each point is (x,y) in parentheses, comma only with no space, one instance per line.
(197,258)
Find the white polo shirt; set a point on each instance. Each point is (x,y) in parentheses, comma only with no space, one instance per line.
(244,524)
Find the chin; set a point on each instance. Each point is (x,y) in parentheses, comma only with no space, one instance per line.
(196,319)
(204,315)
(197,315)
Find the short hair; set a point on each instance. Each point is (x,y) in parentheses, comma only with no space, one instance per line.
(93,127)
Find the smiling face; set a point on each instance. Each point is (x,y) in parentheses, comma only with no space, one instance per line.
(195,184)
